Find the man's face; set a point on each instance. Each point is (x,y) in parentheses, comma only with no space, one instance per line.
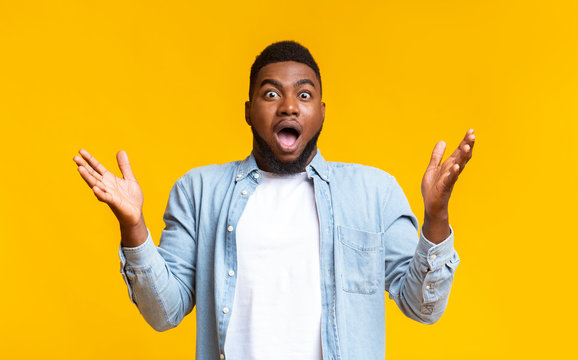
(286,113)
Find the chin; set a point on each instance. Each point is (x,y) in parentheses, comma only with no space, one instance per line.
(287,158)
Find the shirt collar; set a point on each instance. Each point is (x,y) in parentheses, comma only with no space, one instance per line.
(318,165)
(247,167)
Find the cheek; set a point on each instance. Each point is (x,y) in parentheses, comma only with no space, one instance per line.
(314,115)
(262,113)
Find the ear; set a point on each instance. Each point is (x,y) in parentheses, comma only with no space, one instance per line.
(248,112)
(322,112)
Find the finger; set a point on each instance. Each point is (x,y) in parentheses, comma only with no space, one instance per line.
(465,153)
(462,153)
(93,162)
(124,165)
(471,141)
(80,162)
(102,195)
(90,180)
(86,176)
(451,176)
(469,138)
(467,148)
(437,154)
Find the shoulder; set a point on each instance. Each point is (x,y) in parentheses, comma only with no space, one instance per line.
(364,181)
(369,196)
(357,173)
(209,175)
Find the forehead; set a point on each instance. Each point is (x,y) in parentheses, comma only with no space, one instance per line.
(286,71)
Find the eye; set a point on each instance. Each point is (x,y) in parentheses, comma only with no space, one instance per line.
(304,95)
(271,94)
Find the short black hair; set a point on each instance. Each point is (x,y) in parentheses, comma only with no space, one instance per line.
(279,52)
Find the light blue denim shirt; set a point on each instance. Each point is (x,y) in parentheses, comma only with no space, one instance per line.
(369,244)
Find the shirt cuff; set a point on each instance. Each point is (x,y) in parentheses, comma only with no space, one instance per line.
(436,255)
(139,256)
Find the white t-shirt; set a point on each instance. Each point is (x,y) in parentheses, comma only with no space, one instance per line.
(276,313)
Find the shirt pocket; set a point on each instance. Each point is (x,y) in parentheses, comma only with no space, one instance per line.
(362,260)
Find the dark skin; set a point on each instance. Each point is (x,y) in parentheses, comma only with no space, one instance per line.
(287,94)
(437,185)
(286,111)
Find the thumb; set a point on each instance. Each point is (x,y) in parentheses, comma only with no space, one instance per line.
(437,154)
(124,165)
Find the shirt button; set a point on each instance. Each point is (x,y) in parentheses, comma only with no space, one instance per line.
(244,192)
(239,176)
(231,273)
(256,175)
(222,357)
(427,287)
(230,228)
(433,257)
(225,310)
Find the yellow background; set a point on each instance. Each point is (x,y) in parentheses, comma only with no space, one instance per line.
(166,81)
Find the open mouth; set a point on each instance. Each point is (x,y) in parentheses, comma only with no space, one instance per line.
(287,135)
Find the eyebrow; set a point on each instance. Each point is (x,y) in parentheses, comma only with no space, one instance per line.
(272,82)
(280,86)
(304,81)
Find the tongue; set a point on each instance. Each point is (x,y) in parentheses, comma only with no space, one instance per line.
(287,138)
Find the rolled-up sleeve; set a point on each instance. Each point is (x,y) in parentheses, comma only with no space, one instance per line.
(160,280)
(134,259)
(419,273)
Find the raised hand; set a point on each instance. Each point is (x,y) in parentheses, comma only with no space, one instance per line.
(124,196)
(437,185)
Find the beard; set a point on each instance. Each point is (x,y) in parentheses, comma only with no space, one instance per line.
(277,166)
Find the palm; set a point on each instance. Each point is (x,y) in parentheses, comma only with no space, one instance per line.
(435,190)
(123,195)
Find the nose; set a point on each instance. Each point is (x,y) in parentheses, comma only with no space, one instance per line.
(289,106)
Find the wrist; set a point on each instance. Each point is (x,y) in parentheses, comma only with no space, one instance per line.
(436,228)
(135,234)
(436,216)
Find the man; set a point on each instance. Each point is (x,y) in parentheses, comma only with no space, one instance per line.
(285,255)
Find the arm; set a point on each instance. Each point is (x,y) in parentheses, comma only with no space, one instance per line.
(419,278)
(160,281)
(418,283)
